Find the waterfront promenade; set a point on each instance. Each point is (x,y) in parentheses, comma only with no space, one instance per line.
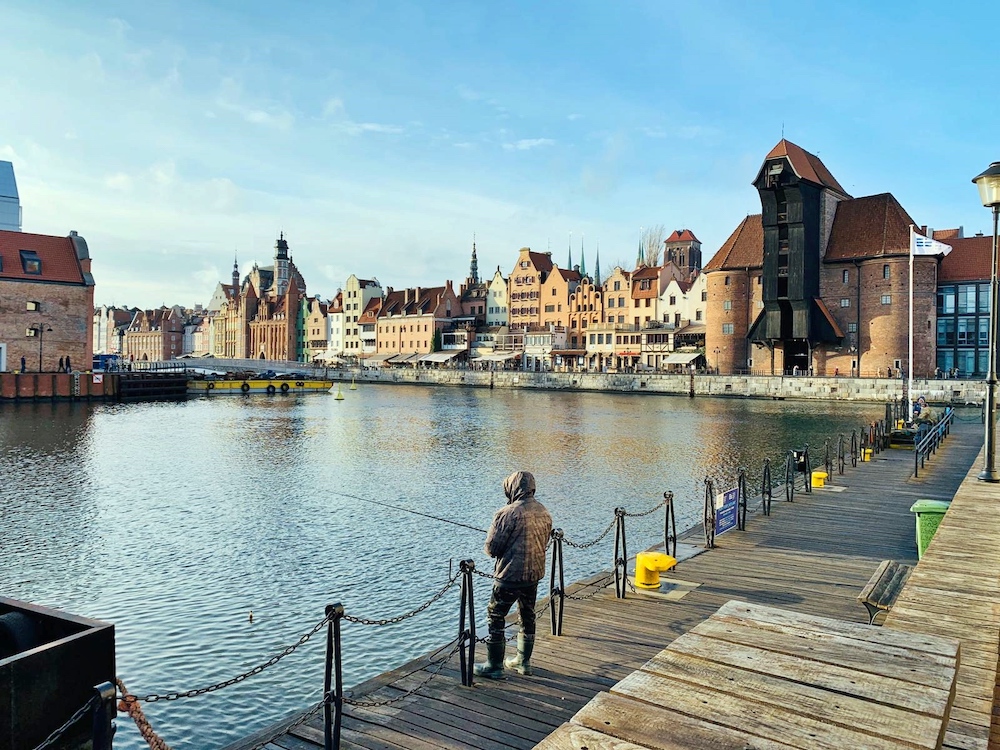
(811,556)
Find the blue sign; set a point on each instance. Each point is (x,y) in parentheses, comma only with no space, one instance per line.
(726,506)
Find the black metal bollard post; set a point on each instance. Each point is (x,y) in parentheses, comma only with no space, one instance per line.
(104,714)
(741,507)
(841,455)
(669,526)
(557,594)
(333,679)
(621,554)
(807,470)
(709,513)
(766,490)
(827,460)
(790,469)
(467,623)
(854,448)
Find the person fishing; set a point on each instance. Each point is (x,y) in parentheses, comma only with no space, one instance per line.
(517,540)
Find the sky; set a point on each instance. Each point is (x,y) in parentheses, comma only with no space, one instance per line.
(382,137)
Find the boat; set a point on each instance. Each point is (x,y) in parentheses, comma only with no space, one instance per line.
(237,386)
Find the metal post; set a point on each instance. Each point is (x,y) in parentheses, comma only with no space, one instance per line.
(790,468)
(669,526)
(989,472)
(621,554)
(709,517)
(104,714)
(807,472)
(766,490)
(741,501)
(333,679)
(467,635)
(557,594)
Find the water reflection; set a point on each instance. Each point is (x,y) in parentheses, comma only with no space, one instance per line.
(175,520)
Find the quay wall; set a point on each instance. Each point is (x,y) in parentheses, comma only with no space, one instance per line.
(57,386)
(733,386)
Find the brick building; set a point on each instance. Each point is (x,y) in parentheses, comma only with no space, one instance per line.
(412,321)
(154,335)
(46,301)
(524,294)
(818,282)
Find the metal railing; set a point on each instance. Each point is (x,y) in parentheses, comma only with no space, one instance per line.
(930,442)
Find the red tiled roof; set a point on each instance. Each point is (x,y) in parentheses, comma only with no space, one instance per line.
(970,259)
(541,261)
(807,166)
(57,255)
(682,235)
(743,249)
(569,275)
(869,227)
(946,234)
(647,272)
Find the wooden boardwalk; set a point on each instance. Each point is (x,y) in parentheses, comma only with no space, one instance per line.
(813,556)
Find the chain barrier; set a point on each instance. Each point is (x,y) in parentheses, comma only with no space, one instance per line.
(467,630)
(586,545)
(741,509)
(598,586)
(434,670)
(646,512)
(129,698)
(57,734)
(412,613)
(766,490)
(309,715)
(669,526)
(134,709)
(556,593)
(841,454)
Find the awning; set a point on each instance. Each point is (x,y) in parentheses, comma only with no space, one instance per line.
(570,352)
(499,356)
(442,356)
(377,359)
(692,329)
(403,358)
(678,358)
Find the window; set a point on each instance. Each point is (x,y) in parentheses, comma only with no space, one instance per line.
(704,296)
(967,298)
(524,264)
(727,329)
(847,277)
(550,308)
(553,291)
(30,262)
(727,304)
(697,314)
(621,302)
(946,302)
(618,286)
(611,301)
(727,281)
(886,298)
(885,271)
(852,327)
(673,299)
(33,306)
(845,302)
(647,303)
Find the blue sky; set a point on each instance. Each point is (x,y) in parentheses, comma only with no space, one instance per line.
(380,136)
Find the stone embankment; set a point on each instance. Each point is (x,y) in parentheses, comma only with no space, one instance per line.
(734,386)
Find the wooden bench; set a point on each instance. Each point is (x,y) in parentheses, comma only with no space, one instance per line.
(880,593)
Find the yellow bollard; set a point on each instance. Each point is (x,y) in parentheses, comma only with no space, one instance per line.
(866,454)
(819,478)
(648,566)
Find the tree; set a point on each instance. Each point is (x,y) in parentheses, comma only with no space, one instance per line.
(651,243)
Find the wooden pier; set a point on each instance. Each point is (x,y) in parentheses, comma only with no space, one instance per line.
(811,556)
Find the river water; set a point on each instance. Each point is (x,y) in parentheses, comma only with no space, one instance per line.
(174,521)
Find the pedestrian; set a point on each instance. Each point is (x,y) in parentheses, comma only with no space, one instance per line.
(23,366)
(61,366)
(68,368)
(517,540)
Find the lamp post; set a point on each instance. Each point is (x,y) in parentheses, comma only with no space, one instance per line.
(989,192)
(40,329)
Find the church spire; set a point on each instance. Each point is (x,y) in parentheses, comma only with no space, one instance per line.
(583,259)
(236,274)
(474,265)
(569,257)
(597,266)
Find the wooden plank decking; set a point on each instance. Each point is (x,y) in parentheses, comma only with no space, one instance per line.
(812,556)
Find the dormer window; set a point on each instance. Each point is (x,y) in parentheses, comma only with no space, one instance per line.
(30,262)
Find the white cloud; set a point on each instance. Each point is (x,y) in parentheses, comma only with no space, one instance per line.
(526,144)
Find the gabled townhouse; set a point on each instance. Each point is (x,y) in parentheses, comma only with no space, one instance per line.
(412,322)
(496,301)
(154,335)
(524,295)
(317,333)
(586,314)
(336,326)
(357,293)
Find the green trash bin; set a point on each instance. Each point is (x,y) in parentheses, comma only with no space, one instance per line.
(929,515)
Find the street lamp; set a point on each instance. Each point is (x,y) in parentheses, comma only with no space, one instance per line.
(989,192)
(38,330)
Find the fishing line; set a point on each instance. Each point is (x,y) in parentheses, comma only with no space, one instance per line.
(408,510)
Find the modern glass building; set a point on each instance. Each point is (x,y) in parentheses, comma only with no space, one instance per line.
(10,204)
(963,308)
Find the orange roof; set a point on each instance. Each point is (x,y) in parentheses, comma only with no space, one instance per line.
(569,275)
(743,249)
(58,258)
(945,234)
(683,235)
(970,259)
(647,272)
(869,227)
(807,166)
(541,261)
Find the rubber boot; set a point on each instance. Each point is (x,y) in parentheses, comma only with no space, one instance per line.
(522,662)
(492,668)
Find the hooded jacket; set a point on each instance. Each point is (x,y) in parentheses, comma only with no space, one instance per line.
(519,533)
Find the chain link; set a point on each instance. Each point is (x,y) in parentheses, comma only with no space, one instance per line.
(58,733)
(411,613)
(152,698)
(435,669)
(309,715)
(599,587)
(585,545)
(646,512)
(484,574)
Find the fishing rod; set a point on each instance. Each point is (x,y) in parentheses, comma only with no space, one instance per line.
(408,510)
